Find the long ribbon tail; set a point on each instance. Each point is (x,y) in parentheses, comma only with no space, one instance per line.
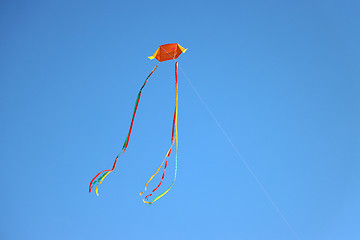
(166,162)
(153,175)
(166,158)
(174,130)
(104,173)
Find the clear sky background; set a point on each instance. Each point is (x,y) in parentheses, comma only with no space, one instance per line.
(281,77)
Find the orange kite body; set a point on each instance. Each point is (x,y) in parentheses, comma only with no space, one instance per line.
(168,52)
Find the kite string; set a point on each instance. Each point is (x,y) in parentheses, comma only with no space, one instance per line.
(240,156)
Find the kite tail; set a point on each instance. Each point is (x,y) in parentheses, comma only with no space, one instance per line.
(106,172)
(174,132)
(165,160)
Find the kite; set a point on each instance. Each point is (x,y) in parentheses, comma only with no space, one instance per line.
(164,53)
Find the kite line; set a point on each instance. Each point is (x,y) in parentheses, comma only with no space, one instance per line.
(240,156)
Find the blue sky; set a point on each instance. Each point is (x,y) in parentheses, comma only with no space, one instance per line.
(281,77)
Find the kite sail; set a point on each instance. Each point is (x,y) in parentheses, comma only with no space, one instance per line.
(165,52)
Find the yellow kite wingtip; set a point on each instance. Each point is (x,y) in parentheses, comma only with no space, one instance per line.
(154,55)
(182,49)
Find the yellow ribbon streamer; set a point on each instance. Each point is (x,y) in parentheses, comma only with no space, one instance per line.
(176,140)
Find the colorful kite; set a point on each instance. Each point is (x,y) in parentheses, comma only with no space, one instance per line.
(165,52)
